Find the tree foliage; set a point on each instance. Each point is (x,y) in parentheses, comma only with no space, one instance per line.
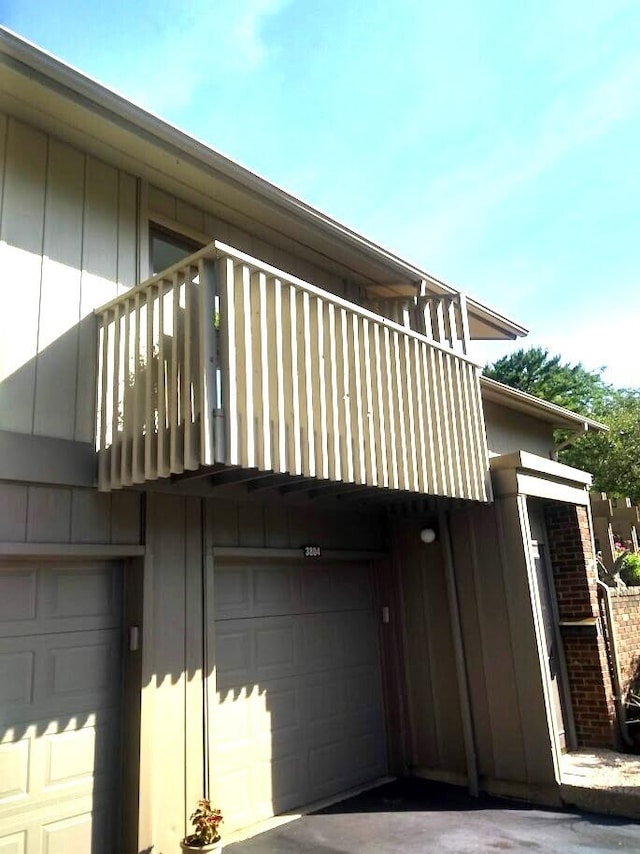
(545,376)
(613,458)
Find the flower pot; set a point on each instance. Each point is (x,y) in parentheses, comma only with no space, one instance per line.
(214,846)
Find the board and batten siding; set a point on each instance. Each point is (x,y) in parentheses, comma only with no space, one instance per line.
(505,682)
(68,243)
(436,742)
(42,514)
(509,431)
(170,211)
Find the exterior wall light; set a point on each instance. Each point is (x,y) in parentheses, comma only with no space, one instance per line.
(428,535)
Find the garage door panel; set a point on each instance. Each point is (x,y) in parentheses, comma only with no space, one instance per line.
(275,649)
(50,674)
(17,598)
(14,771)
(326,770)
(16,680)
(85,825)
(323,702)
(59,599)
(284,780)
(232,593)
(326,588)
(363,690)
(234,657)
(283,706)
(320,646)
(14,843)
(357,633)
(276,591)
(50,758)
(367,757)
(60,682)
(299,711)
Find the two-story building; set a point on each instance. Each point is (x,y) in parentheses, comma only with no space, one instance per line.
(265,530)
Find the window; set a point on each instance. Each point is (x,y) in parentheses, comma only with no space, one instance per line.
(167,248)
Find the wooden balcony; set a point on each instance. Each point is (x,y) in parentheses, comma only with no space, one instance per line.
(223,359)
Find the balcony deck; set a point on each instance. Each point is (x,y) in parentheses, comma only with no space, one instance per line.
(223,359)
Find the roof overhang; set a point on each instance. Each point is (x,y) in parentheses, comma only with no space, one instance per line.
(522,473)
(40,89)
(557,416)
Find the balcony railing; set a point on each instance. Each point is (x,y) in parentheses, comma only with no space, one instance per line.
(223,359)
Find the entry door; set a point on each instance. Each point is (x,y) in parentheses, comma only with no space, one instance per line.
(551,637)
(60,689)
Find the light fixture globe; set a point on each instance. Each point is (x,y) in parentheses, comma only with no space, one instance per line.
(428,535)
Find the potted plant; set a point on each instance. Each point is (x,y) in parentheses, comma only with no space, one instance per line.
(206,836)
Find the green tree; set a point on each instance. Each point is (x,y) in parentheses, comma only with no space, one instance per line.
(613,458)
(545,376)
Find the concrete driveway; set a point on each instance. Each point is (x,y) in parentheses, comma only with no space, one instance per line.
(414,816)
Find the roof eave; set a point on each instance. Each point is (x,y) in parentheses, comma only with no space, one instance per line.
(154,129)
(522,401)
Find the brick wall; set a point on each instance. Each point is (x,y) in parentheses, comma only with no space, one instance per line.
(626,615)
(574,575)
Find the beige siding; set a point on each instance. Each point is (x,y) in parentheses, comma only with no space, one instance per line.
(278,525)
(170,211)
(39,514)
(68,243)
(171,751)
(437,744)
(509,431)
(511,728)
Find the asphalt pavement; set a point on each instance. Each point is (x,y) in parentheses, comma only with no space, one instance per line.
(418,817)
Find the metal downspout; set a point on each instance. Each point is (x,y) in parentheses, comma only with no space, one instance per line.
(461,667)
(621,716)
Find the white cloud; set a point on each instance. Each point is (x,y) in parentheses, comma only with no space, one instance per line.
(462,203)
(194,45)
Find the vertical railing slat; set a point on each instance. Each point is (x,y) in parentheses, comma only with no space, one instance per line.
(161,429)
(103,461)
(360,468)
(369,409)
(246,367)
(296,426)
(138,394)
(306,385)
(323,403)
(347,432)
(305,341)
(379,409)
(283,372)
(125,448)
(176,459)
(336,455)
(265,363)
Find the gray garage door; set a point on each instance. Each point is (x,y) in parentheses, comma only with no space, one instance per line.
(298,713)
(59,707)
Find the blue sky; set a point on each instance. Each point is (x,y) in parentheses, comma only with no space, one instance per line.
(495,144)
